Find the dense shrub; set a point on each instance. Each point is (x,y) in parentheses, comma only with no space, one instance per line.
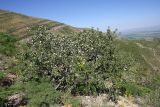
(84,63)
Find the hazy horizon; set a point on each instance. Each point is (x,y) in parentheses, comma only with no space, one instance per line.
(124,14)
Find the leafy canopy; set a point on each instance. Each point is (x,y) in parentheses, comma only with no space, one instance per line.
(84,63)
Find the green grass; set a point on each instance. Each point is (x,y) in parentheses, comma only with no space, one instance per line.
(2,74)
(135,89)
(36,92)
(7,44)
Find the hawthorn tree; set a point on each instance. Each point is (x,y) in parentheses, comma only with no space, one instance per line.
(84,63)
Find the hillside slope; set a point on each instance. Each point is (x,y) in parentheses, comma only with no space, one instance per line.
(17,24)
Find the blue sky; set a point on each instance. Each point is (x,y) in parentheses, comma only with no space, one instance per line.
(121,14)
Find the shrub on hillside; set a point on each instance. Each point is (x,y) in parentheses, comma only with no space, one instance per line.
(84,63)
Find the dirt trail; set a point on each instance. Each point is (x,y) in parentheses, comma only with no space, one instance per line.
(141,46)
(4,13)
(58,27)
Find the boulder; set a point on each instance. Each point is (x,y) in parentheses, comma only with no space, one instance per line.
(8,80)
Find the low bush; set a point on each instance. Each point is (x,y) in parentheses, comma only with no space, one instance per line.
(39,93)
(35,93)
(7,44)
(134,89)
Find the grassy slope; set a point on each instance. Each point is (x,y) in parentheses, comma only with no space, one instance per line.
(147,52)
(17,24)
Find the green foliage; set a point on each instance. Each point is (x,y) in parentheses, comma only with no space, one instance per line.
(71,100)
(39,93)
(134,89)
(75,102)
(6,91)
(2,74)
(82,62)
(36,92)
(7,44)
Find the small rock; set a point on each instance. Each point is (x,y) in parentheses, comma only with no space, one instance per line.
(15,100)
